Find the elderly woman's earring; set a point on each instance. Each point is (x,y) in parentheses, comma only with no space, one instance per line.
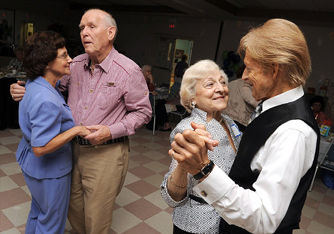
(193,104)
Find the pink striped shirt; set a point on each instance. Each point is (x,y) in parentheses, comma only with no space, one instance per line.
(115,94)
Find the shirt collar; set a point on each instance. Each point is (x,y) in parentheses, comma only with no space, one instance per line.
(41,81)
(106,63)
(202,114)
(286,97)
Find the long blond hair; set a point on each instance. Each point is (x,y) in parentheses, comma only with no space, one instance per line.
(279,41)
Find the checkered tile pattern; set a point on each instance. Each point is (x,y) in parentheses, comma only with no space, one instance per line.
(139,207)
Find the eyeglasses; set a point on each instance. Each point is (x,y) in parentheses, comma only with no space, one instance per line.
(210,84)
(63,56)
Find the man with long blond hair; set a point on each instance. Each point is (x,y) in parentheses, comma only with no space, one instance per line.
(267,186)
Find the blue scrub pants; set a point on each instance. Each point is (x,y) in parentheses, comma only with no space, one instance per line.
(49,205)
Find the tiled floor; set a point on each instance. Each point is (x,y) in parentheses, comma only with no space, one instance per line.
(139,208)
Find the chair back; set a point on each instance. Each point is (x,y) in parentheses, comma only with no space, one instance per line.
(328,162)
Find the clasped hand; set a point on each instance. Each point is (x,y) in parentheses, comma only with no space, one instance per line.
(190,148)
(100,134)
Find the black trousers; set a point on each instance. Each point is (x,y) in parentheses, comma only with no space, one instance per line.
(177,230)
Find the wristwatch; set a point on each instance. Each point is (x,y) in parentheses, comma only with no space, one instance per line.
(204,171)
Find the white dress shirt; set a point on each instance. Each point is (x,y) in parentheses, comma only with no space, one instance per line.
(283,160)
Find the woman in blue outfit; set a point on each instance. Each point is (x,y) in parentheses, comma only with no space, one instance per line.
(45,153)
(204,93)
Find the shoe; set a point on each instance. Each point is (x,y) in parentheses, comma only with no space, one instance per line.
(165,129)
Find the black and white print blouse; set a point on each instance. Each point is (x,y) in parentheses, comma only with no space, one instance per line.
(190,215)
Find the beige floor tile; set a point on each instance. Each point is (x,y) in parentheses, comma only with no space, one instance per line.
(156,199)
(161,222)
(132,164)
(130,178)
(11,168)
(5,223)
(126,197)
(329,210)
(299,231)
(317,228)
(6,184)
(155,180)
(18,214)
(316,195)
(25,189)
(155,166)
(123,220)
(4,150)
(157,155)
(308,212)
(10,140)
(11,231)
(16,132)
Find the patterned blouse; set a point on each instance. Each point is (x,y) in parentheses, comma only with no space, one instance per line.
(190,215)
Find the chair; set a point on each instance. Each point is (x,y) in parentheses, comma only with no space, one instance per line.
(180,113)
(325,158)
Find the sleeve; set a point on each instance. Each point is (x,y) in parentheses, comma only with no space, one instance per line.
(164,191)
(282,162)
(138,106)
(45,122)
(64,84)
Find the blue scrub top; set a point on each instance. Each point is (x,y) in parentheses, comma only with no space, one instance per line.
(43,114)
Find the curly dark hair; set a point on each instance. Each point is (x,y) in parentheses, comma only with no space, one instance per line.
(40,49)
(318,99)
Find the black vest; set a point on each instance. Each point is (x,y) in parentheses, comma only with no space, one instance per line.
(255,136)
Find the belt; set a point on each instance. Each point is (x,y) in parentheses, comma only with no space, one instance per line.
(82,141)
(198,199)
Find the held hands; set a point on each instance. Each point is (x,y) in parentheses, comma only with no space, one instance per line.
(17,90)
(190,148)
(98,135)
(205,135)
(83,131)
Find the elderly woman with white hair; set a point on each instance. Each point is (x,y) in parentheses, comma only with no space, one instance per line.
(204,93)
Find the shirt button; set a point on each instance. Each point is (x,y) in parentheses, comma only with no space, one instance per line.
(204,194)
(86,107)
(81,124)
(78,83)
(90,90)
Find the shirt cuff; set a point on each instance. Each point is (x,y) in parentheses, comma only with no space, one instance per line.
(117,130)
(215,186)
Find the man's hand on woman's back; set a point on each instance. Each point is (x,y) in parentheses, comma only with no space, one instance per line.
(17,90)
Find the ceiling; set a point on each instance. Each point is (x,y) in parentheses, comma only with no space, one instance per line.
(313,11)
